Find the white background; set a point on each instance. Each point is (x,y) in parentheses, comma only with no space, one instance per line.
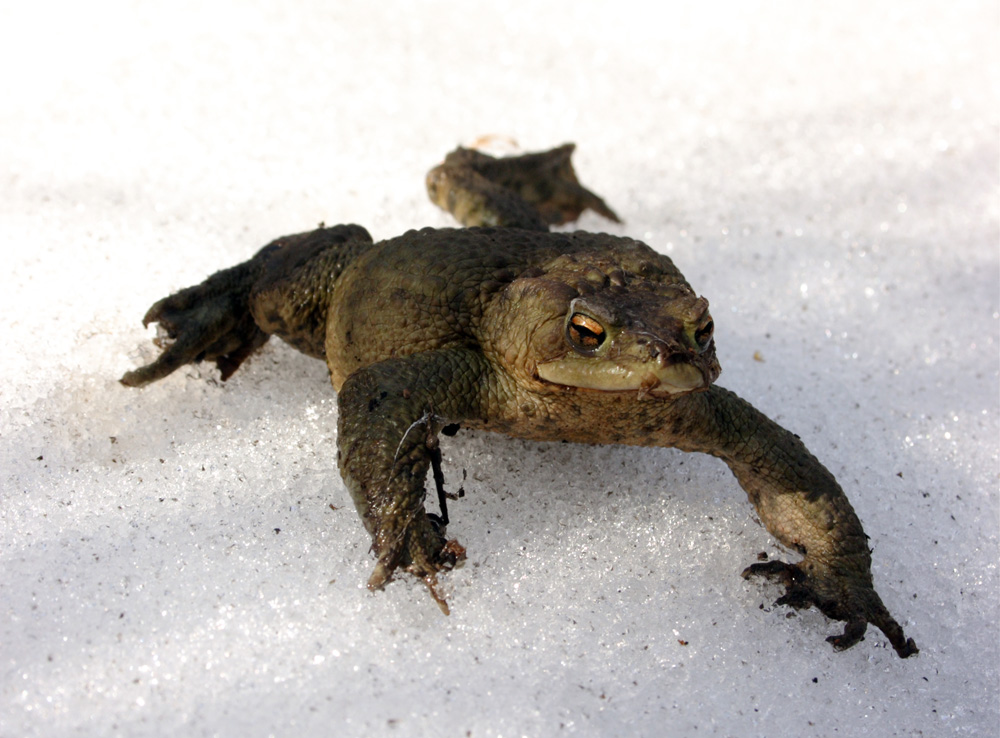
(826,174)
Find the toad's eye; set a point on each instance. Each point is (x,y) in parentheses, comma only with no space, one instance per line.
(584,333)
(703,336)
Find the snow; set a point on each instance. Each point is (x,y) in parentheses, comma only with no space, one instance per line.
(827,175)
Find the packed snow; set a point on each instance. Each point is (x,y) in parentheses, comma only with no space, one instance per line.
(184,559)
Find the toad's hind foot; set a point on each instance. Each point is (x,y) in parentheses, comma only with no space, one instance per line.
(281,291)
(550,182)
(531,191)
(838,597)
(210,321)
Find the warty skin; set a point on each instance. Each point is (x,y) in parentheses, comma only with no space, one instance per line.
(581,337)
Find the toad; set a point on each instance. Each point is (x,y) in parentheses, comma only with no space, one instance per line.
(505,326)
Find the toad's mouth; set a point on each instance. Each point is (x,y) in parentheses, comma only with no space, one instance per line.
(625,376)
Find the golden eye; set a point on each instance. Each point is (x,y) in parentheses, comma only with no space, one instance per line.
(584,333)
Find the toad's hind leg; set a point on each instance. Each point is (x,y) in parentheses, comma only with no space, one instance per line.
(281,291)
(530,191)
(290,299)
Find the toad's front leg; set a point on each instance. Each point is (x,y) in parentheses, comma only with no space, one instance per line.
(801,504)
(390,416)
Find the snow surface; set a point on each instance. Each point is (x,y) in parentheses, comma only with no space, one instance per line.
(827,174)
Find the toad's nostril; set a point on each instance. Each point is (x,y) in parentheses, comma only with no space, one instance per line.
(703,336)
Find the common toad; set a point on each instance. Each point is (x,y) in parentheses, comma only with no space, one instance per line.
(504,326)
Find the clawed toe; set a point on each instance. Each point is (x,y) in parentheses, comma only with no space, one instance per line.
(854,632)
(779,571)
(450,556)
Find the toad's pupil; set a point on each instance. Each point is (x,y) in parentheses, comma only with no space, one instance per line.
(585,331)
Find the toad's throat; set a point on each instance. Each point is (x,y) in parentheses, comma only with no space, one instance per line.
(623,375)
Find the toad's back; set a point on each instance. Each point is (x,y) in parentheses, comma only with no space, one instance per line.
(428,289)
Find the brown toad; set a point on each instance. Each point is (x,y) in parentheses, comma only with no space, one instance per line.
(581,337)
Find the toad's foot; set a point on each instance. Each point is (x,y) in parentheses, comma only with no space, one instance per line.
(837,596)
(207,321)
(422,551)
(530,191)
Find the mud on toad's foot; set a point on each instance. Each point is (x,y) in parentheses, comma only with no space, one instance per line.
(839,599)
(421,550)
